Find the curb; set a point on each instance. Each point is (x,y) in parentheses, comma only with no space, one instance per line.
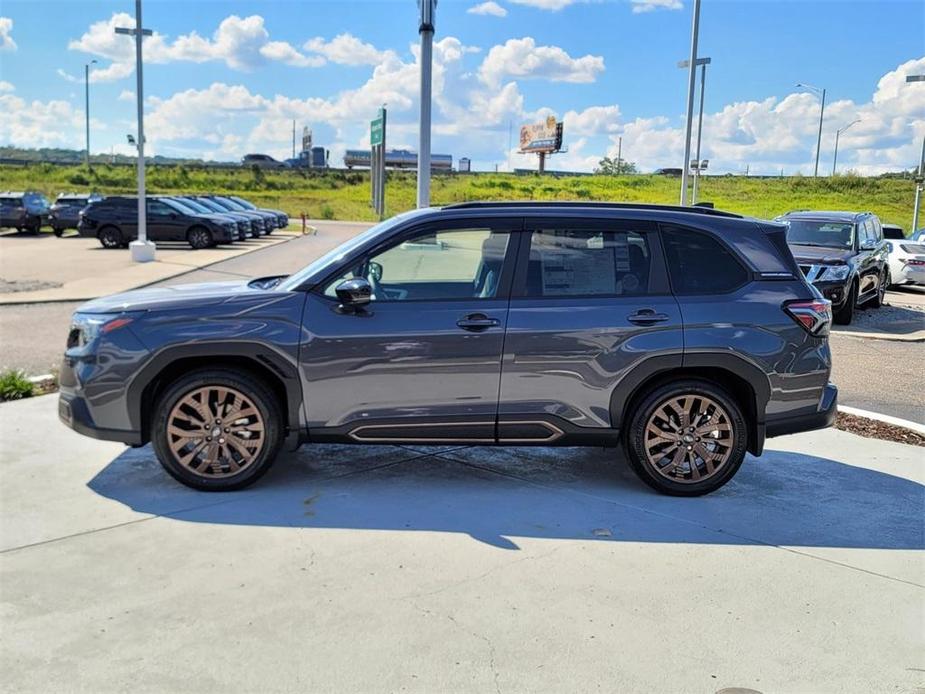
(885,418)
(284,239)
(918,336)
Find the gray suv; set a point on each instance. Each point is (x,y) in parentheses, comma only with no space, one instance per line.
(685,335)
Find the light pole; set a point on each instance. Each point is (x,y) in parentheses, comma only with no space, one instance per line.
(142,250)
(838,135)
(821,93)
(920,179)
(87,104)
(692,72)
(426,29)
(702,62)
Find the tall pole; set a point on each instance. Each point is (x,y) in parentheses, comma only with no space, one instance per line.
(426,29)
(293,138)
(835,156)
(87,105)
(142,250)
(692,72)
(918,189)
(619,153)
(703,82)
(819,137)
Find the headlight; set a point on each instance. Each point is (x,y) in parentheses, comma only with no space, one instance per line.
(837,272)
(86,327)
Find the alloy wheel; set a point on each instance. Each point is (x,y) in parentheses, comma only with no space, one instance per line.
(200,238)
(689,438)
(215,432)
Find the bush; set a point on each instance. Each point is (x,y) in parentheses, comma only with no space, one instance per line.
(14,385)
(327,212)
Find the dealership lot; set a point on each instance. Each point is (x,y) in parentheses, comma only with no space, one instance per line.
(457,569)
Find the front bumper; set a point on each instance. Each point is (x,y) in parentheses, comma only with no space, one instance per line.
(73,412)
(835,291)
(822,418)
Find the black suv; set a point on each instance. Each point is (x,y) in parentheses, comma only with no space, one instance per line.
(844,255)
(685,335)
(65,213)
(23,211)
(114,221)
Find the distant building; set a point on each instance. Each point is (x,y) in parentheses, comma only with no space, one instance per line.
(465,166)
(397,159)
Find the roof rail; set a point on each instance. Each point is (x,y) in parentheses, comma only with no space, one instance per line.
(575,203)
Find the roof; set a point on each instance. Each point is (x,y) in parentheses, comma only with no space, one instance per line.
(570,205)
(831,215)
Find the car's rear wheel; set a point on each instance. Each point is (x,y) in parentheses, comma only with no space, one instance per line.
(217,430)
(845,313)
(58,231)
(199,238)
(110,237)
(687,438)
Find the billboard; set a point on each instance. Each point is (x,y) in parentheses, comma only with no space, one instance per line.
(541,137)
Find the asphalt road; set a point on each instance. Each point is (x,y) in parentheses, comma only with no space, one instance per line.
(876,375)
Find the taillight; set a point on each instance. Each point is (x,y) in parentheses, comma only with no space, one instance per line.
(815,315)
(915,261)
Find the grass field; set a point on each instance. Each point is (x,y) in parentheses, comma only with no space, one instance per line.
(345,195)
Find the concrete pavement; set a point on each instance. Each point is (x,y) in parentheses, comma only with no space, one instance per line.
(457,569)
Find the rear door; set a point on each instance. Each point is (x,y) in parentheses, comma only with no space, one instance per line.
(590,302)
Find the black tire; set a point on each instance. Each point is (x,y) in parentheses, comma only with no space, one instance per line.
(58,231)
(110,237)
(252,389)
(199,238)
(686,484)
(880,297)
(845,314)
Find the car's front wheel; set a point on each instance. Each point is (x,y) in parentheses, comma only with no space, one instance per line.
(217,430)
(844,314)
(199,238)
(884,282)
(687,438)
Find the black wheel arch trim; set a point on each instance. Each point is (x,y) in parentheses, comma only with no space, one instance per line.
(262,354)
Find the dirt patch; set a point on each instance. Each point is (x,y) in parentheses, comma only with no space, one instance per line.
(873,429)
(14,286)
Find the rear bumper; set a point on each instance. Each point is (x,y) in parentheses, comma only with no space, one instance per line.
(823,418)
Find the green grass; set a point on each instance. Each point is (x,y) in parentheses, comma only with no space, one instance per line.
(14,385)
(345,195)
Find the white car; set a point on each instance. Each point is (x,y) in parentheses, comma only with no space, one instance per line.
(907,261)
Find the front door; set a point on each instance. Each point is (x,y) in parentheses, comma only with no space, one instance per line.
(163,223)
(422,362)
(590,302)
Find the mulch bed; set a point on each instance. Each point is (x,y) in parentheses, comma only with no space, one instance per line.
(873,429)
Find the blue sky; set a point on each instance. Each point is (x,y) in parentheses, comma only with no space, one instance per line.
(226,78)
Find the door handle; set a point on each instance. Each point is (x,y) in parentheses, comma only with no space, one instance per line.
(647,316)
(476,322)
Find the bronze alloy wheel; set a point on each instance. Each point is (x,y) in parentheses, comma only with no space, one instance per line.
(215,432)
(689,438)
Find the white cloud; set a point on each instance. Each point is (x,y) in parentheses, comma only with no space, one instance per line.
(640,6)
(523,58)
(39,124)
(126,95)
(284,52)
(488,8)
(553,5)
(6,86)
(346,49)
(6,35)
(594,120)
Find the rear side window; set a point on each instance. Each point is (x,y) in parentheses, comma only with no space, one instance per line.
(699,264)
(587,262)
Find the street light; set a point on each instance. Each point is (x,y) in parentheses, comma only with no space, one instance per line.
(702,62)
(87,104)
(818,92)
(692,71)
(142,250)
(426,30)
(920,179)
(837,135)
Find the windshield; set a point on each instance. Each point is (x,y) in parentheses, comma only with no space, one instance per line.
(196,206)
(177,205)
(243,203)
(334,256)
(229,204)
(209,205)
(826,234)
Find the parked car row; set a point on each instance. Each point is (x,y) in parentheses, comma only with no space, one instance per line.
(846,256)
(201,220)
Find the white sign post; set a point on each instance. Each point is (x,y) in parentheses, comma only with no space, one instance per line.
(426,29)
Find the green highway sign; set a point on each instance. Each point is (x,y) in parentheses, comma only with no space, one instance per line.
(376,131)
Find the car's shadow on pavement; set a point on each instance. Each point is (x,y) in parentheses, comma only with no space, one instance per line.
(493,494)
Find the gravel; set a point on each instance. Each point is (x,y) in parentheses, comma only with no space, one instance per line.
(873,429)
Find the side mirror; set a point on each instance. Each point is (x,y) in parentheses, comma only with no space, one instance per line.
(868,245)
(375,270)
(354,294)
(889,246)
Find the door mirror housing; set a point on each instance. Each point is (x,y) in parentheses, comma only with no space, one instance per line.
(354,294)
(375,270)
(868,245)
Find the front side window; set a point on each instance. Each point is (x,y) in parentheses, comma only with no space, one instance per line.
(699,264)
(435,265)
(158,209)
(587,262)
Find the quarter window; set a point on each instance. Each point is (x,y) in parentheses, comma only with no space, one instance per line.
(587,262)
(699,264)
(435,265)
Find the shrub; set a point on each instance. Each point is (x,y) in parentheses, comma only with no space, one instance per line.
(14,385)
(327,212)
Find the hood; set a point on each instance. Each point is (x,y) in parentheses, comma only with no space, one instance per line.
(160,298)
(817,254)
